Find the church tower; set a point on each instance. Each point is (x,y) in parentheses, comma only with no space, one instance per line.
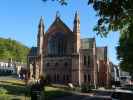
(40,36)
(76,31)
(40,40)
(76,70)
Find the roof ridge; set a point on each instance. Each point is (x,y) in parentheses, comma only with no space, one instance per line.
(56,21)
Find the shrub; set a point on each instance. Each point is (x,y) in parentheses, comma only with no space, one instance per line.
(87,87)
(3,91)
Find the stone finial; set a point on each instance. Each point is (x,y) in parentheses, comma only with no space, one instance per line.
(57,14)
(77,17)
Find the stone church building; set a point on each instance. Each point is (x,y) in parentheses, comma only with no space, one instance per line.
(62,56)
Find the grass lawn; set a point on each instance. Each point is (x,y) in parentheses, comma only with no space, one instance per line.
(13,97)
(16,90)
(52,92)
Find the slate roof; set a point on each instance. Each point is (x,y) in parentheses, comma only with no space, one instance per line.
(59,23)
(33,51)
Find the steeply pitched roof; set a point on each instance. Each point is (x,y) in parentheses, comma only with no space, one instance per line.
(33,51)
(58,23)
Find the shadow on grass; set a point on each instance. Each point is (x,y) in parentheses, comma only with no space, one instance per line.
(51,95)
(22,90)
(16,90)
(19,90)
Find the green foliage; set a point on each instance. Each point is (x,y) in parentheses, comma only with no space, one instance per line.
(14,90)
(87,87)
(3,91)
(13,49)
(117,15)
(62,2)
(113,15)
(125,50)
(51,93)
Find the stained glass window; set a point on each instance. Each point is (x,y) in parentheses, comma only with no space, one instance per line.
(57,44)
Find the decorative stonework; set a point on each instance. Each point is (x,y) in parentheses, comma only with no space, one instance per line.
(63,57)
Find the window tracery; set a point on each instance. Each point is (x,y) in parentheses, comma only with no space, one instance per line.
(57,44)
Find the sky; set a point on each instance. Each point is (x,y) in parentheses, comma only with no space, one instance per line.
(19,20)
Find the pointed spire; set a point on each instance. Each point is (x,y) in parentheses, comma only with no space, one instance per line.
(76,23)
(41,23)
(41,27)
(77,18)
(40,35)
(76,31)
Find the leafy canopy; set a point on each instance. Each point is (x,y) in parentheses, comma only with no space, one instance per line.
(62,2)
(125,50)
(13,49)
(117,15)
(114,15)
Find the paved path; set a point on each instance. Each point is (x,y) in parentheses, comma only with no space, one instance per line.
(84,96)
(78,97)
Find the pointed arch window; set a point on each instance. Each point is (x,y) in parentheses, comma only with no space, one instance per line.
(56,64)
(57,77)
(89,78)
(65,64)
(85,78)
(84,60)
(51,46)
(88,61)
(57,44)
(47,64)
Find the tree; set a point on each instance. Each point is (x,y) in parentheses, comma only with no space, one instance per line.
(125,50)
(115,15)
(62,2)
(13,49)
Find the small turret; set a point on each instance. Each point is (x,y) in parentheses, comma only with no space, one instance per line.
(76,32)
(76,28)
(40,41)
(40,35)
(41,26)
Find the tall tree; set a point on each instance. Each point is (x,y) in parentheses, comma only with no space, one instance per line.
(117,15)
(13,49)
(125,50)
(113,15)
